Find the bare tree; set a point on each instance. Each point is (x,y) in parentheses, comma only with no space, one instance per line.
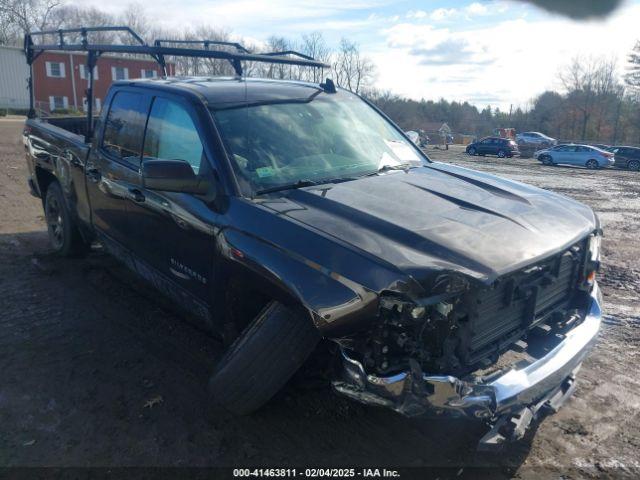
(315,46)
(135,17)
(352,70)
(579,79)
(632,78)
(23,16)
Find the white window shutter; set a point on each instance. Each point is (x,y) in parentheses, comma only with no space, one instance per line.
(83,74)
(98,105)
(126,73)
(95,72)
(62,70)
(113,74)
(48,65)
(52,104)
(65,102)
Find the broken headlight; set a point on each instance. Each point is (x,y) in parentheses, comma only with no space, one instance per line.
(595,242)
(592,264)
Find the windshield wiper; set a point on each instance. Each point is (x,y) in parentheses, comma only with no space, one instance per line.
(289,186)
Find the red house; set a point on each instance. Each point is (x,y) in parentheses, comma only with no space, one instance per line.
(60,79)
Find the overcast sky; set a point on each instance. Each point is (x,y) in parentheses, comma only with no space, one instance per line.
(487,52)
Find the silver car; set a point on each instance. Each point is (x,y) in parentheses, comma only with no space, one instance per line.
(582,155)
(535,138)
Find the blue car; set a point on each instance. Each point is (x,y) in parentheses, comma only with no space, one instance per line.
(582,155)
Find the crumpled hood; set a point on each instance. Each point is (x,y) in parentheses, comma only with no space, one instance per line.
(443,217)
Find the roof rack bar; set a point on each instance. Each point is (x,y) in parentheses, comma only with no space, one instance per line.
(84,30)
(289,52)
(179,52)
(205,43)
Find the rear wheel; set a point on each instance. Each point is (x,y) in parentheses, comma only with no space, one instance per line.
(592,164)
(262,359)
(64,236)
(472,151)
(634,165)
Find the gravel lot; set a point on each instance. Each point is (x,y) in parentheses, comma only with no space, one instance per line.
(97,370)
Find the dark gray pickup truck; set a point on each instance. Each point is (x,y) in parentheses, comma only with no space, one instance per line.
(283,214)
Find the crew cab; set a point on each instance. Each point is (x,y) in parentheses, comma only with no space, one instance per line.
(282,214)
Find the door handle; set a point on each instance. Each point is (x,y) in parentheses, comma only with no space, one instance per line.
(94,175)
(136,195)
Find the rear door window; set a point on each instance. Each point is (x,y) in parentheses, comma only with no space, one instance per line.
(172,134)
(124,127)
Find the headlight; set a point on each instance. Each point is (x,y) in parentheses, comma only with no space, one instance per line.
(592,264)
(595,241)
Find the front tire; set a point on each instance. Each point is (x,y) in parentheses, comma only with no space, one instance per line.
(64,237)
(471,151)
(501,154)
(592,164)
(546,160)
(262,359)
(634,165)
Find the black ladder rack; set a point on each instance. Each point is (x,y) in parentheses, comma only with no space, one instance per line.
(158,51)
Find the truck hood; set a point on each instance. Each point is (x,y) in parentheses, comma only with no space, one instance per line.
(442,217)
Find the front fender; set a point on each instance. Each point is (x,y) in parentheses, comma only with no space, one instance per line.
(335,302)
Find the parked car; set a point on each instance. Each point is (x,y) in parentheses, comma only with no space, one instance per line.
(583,155)
(421,276)
(502,147)
(535,138)
(627,157)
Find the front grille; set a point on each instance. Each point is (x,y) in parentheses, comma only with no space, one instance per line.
(519,301)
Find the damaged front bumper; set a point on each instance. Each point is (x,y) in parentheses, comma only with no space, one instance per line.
(508,401)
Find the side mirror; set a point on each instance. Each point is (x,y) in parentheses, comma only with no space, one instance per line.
(172,176)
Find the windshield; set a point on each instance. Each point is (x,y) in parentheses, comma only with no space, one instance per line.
(325,137)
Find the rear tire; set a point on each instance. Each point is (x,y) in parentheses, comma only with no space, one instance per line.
(634,165)
(592,164)
(262,359)
(64,237)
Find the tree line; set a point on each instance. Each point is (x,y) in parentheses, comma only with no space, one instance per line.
(595,104)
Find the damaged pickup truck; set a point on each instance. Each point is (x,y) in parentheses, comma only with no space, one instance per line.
(282,213)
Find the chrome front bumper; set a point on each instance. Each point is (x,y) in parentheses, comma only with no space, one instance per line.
(514,398)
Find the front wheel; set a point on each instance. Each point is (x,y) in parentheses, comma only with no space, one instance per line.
(634,165)
(263,358)
(546,160)
(592,164)
(471,151)
(502,154)
(64,237)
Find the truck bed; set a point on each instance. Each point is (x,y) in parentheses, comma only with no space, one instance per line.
(73,124)
(56,134)
(53,144)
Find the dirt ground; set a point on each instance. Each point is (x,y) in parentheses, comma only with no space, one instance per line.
(97,370)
